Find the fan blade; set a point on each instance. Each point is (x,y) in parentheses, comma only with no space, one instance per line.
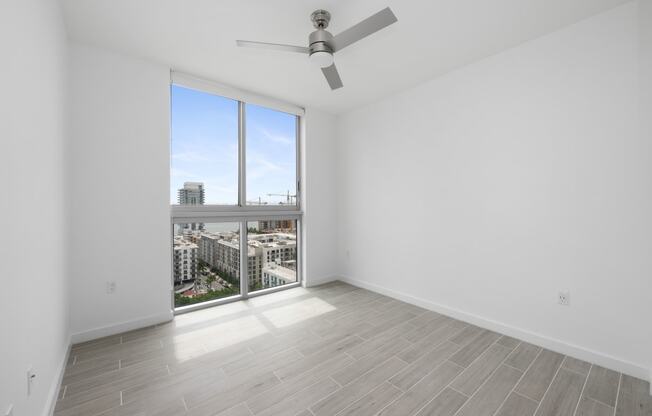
(274,46)
(333,77)
(363,29)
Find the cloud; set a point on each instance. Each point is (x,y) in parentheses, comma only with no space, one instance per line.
(180,173)
(259,167)
(275,137)
(190,156)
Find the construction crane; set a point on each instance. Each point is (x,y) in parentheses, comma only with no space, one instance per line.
(259,202)
(288,196)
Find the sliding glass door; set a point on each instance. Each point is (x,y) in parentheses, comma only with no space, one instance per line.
(235,195)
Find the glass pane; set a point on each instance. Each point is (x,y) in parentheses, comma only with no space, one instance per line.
(204,149)
(206,262)
(272,253)
(271,156)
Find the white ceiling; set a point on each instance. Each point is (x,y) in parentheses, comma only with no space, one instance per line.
(430,38)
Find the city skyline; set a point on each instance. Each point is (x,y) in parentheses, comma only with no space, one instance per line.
(206,264)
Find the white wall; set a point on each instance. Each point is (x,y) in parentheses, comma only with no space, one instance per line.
(486,191)
(119,192)
(34,297)
(645,111)
(645,67)
(320,197)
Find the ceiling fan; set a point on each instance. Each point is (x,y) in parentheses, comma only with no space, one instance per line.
(322,44)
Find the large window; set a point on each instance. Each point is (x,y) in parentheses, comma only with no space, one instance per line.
(206,262)
(204,162)
(234,195)
(272,253)
(271,156)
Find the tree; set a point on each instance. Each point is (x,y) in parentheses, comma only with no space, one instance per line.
(180,300)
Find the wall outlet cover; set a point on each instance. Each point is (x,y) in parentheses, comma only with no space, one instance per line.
(563,298)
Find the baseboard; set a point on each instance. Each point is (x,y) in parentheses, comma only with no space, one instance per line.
(108,330)
(54,389)
(553,344)
(312,282)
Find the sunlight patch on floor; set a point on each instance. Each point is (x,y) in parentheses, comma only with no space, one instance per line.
(276,297)
(208,314)
(225,334)
(291,314)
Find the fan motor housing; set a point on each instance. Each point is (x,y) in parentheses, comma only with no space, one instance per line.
(319,41)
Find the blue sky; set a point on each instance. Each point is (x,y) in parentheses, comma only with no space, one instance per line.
(205,148)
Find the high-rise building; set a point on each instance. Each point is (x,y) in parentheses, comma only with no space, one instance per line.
(274,225)
(185,260)
(274,275)
(192,193)
(275,253)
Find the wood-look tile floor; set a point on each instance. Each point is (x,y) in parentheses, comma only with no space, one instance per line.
(334,350)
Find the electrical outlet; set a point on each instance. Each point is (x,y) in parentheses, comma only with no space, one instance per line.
(563,298)
(110,287)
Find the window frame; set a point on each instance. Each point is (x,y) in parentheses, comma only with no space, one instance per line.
(241,213)
(243,97)
(242,220)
